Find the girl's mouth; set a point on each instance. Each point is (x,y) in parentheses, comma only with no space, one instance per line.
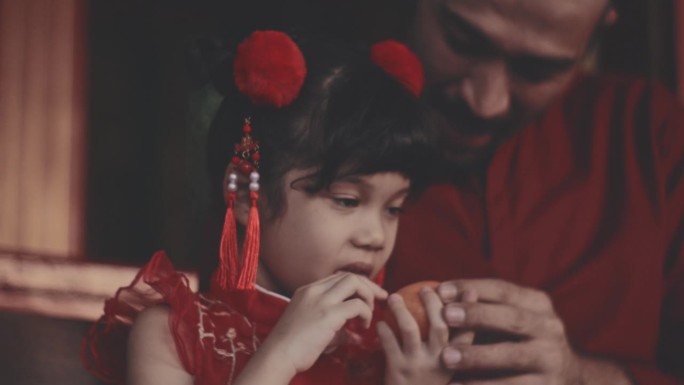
(360,268)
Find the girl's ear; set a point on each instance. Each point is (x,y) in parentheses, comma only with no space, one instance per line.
(242,201)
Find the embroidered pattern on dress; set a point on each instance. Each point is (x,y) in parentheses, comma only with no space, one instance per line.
(235,334)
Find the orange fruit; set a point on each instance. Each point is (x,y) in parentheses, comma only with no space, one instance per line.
(415,306)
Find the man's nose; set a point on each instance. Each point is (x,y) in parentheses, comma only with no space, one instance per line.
(486,89)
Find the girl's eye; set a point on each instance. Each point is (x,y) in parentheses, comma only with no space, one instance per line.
(346,202)
(395,210)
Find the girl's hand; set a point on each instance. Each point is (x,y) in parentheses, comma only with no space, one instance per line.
(315,315)
(413,361)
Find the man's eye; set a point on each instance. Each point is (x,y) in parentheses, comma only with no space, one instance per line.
(461,45)
(346,202)
(535,75)
(464,43)
(533,72)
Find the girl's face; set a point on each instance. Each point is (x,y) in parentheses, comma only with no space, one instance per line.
(349,227)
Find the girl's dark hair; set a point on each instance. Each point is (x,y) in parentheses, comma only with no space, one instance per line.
(350,118)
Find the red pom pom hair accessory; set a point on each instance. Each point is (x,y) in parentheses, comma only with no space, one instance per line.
(400,62)
(269,69)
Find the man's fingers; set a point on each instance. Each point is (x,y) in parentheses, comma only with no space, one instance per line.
(523,379)
(502,318)
(464,336)
(438,334)
(523,357)
(497,291)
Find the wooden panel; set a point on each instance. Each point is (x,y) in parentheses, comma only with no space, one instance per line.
(41,125)
(11,95)
(61,287)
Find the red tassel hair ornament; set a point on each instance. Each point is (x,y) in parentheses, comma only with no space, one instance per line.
(269,69)
(401,63)
(245,161)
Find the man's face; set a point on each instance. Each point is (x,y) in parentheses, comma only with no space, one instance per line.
(493,65)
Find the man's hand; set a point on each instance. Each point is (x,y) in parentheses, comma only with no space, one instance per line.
(535,349)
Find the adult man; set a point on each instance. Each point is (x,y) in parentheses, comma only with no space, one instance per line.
(569,221)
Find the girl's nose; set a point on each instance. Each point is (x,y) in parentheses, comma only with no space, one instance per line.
(370,233)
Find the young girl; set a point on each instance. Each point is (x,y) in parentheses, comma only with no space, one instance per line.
(336,156)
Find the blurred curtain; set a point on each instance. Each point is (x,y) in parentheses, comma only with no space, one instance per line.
(42,107)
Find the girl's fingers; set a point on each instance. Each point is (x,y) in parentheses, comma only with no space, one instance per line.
(377,291)
(438,335)
(344,295)
(388,340)
(408,328)
(353,285)
(321,286)
(352,308)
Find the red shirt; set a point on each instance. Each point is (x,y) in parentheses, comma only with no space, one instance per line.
(586,204)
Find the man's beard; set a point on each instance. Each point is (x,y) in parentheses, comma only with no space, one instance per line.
(463,158)
(468,142)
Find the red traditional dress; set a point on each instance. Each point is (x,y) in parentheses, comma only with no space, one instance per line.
(217,333)
(586,204)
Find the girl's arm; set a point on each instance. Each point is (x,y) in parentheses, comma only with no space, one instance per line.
(309,324)
(152,356)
